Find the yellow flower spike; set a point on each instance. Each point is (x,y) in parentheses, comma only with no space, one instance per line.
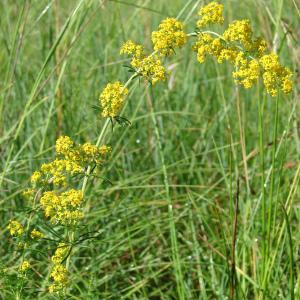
(212,13)
(237,46)
(112,98)
(15,228)
(170,35)
(35,234)
(49,201)
(24,267)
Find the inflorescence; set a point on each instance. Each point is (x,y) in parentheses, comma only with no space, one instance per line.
(58,200)
(245,52)
(170,35)
(237,45)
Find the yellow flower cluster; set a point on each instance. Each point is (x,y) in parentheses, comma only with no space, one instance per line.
(216,47)
(65,146)
(56,171)
(112,98)
(24,266)
(61,205)
(75,160)
(247,73)
(212,13)
(170,35)
(131,48)
(247,54)
(35,177)
(239,31)
(61,253)
(15,228)
(275,76)
(150,67)
(35,234)
(59,275)
(81,155)
(206,44)
(62,208)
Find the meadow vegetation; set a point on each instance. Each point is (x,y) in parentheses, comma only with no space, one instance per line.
(149,149)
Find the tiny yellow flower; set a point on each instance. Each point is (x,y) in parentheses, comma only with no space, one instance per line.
(287,84)
(227,54)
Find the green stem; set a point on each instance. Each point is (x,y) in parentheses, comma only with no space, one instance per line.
(274,148)
(262,162)
(291,256)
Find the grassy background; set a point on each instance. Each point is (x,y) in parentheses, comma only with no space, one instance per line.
(56,56)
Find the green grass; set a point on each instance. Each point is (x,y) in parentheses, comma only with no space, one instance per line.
(167,224)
